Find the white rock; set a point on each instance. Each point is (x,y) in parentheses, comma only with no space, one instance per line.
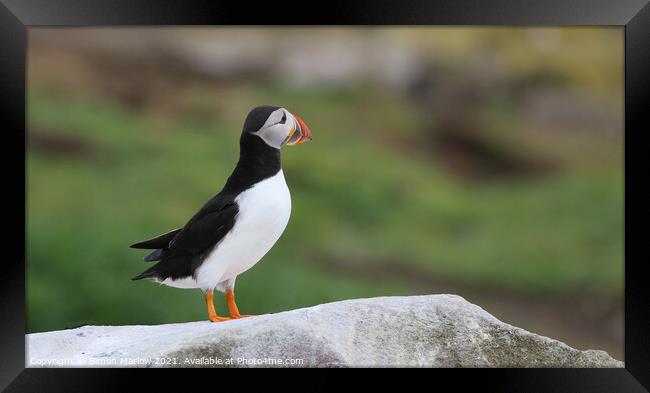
(424,331)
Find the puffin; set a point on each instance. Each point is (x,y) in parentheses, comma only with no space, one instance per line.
(239,225)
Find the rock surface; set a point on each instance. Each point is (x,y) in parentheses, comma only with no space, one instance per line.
(425,331)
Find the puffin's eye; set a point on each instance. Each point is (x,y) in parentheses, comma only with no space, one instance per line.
(284,118)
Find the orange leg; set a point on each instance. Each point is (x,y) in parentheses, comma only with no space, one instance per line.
(212,314)
(232,306)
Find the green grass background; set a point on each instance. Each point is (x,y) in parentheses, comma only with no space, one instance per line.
(354,198)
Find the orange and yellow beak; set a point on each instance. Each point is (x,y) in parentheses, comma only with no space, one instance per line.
(300,133)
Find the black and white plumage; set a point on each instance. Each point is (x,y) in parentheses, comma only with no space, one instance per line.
(240,224)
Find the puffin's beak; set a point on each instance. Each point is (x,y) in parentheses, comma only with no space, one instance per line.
(300,134)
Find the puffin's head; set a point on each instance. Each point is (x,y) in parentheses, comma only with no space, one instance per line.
(276,126)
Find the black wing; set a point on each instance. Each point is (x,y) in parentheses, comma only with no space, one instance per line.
(205,229)
(161,241)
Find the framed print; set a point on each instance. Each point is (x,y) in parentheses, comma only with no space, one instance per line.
(433,185)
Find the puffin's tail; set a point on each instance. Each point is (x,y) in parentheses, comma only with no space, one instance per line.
(154,256)
(153,273)
(170,266)
(160,241)
(145,274)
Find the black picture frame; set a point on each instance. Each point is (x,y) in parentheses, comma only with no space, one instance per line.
(17,15)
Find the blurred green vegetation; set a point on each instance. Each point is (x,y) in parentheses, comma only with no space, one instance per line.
(353,199)
(373,212)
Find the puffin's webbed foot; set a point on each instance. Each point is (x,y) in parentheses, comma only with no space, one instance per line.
(239,316)
(217,318)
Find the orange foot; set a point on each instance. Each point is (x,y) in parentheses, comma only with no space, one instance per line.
(238,316)
(216,318)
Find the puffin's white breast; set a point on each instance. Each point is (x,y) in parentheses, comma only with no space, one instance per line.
(264,211)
